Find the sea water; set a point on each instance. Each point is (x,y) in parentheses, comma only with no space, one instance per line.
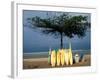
(45,54)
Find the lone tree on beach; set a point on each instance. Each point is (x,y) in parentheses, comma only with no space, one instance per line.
(61,25)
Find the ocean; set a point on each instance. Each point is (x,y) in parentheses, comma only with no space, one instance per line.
(45,54)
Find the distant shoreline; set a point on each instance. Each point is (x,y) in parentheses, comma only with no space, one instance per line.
(45,54)
(37,52)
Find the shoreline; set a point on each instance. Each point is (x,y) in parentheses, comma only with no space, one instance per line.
(45,54)
(36,63)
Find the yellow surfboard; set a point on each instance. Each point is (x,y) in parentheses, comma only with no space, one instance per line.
(58,58)
(70,55)
(53,58)
(66,56)
(62,57)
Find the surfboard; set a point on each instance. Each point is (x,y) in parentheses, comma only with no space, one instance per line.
(62,57)
(58,58)
(53,58)
(70,57)
(66,57)
(49,56)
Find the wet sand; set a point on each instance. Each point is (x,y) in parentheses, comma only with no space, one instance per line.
(43,63)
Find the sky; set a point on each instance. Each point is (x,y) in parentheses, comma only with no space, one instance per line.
(35,41)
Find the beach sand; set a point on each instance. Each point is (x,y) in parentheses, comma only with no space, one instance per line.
(43,63)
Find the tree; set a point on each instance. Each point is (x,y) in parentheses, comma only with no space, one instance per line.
(62,25)
(76,25)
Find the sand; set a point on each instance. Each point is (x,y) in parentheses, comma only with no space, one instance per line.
(43,63)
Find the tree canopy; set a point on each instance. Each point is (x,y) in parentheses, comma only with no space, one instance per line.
(62,25)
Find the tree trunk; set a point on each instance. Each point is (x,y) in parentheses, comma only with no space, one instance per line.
(61,44)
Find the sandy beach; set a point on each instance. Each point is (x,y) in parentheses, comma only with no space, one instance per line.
(43,63)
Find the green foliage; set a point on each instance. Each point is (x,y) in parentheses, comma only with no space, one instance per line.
(62,25)
(76,25)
